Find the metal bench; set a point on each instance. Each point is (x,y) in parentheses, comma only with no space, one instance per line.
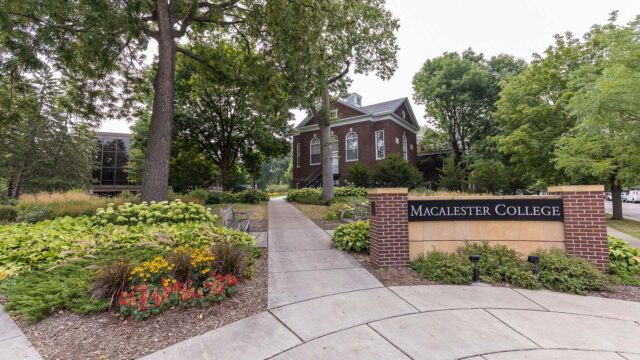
(359,212)
(229,219)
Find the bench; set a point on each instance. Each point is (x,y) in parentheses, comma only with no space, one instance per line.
(358,213)
(229,219)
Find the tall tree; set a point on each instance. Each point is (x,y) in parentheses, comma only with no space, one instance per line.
(104,43)
(604,145)
(342,37)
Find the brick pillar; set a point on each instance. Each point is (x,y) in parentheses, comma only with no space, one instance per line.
(389,227)
(585,229)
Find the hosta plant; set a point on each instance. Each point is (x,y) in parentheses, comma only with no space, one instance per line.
(352,237)
(153,213)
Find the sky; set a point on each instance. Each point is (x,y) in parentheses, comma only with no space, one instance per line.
(429,28)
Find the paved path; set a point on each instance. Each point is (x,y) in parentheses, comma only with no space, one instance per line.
(13,343)
(302,262)
(624,236)
(318,309)
(630,211)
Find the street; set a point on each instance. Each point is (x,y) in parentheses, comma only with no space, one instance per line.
(629,210)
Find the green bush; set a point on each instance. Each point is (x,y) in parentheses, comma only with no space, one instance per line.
(358,175)
(332,215)
(350,191)
(35,213)
(353,236)
(501,264)
(153,213)
(201,194)
(624,260)
(393,171)
(306,196)
(443,267)
(246,196)
(8,213)
(252,196)
(564,273)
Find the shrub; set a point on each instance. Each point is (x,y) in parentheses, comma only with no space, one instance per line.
(358,175)
(569,274)
(8,213)
(230,259)
(393,171)
(353,236)
(252,196)
(332,215)
(201,194)
(501,264)
(153,213)
(443,267)
(34,214)
(110,279)
(350,191)
(306,196)
(623,258)
(248,196)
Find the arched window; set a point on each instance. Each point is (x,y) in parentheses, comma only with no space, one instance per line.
(405,153)
(334,144)
(352,146)
(314,151)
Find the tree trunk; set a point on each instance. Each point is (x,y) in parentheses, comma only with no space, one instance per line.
(155,175)
(616,199)
(325,147)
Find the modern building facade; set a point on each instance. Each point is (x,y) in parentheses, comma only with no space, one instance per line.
(360,134)
(110,176)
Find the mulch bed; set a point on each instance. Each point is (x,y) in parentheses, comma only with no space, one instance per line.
(406,276)
(66,335)
(327,224)
(258,225)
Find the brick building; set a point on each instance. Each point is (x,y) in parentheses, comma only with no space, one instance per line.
(360,134)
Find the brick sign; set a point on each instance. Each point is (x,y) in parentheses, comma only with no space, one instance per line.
(489,209)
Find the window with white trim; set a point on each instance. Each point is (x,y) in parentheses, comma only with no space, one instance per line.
(298,155)
(334,144)
(405,153)
(314,151)
(333,114)
(351,146)
(379,141)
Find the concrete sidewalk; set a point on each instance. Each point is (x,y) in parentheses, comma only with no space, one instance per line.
(302,262)
(429,322)
(13,343)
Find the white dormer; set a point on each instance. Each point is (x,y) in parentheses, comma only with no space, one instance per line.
(355,99)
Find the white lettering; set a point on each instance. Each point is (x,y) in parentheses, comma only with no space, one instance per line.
(500,209)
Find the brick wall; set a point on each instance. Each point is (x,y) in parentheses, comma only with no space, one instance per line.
(389,227)
(585,229)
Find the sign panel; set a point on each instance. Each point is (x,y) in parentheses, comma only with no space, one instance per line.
(486,209)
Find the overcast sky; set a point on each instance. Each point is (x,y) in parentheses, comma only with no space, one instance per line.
(429,28)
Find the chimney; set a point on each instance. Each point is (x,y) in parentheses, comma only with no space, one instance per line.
(355,99)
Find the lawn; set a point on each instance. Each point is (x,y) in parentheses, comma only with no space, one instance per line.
(629,227)
(318,213)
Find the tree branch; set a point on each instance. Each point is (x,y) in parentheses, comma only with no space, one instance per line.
(342,74)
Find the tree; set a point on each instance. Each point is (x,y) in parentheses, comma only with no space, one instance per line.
(458,91)
(603,146)
(358,175)
(452,176)
(434,140)
(394,171)
(102,44)
(45,146)
(355,36)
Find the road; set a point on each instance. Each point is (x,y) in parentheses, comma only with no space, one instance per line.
(629,210)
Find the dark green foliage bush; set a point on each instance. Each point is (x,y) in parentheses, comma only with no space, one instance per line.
(314,195)
(201,194)
(353,236)
(393,171)
(443,267)
(246,196)
(358,175)
(8,213)
(501,264)
(624,262)
(38,294)
(569,274)
(35,213)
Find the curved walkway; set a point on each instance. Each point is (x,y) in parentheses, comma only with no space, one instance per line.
(315,313)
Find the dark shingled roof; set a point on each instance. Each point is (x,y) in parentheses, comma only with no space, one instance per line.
(383,107)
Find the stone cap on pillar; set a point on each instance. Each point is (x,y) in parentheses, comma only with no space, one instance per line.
(575,188)
(387,191)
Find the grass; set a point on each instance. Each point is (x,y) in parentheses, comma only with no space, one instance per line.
(66,204)
(318,212)
(259,211)
(629,227)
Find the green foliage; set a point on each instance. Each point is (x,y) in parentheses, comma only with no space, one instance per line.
(489,176)
(246,196)
(564,273)
(153,213)
(393,171)
(434,140)
(352,237)
(35,213)
(624,261)
(451,176)
(8,213)
(497,264)
(37,294)
(332,215)
(443,267)
(350,191)
(201,194)
(306,196)
(358,175)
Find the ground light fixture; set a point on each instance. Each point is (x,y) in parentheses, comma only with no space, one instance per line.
(476,272)
(534,259)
